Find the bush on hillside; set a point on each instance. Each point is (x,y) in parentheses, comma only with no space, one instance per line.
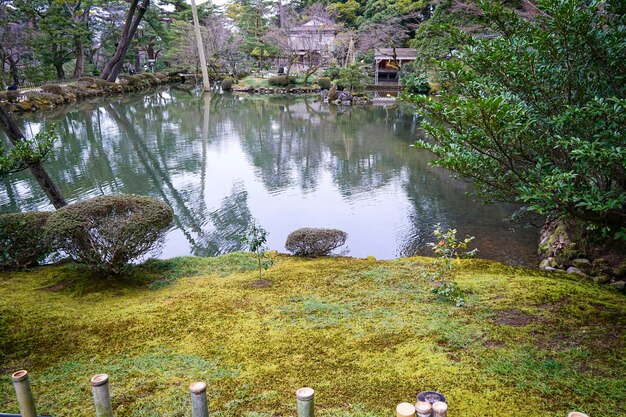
(281,81)
(22,241)
(108,233)
(313,242)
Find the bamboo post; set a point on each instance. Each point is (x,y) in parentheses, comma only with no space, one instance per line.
(423,409)
(101,395)
(405,410)
(304,397)
(440,409)
(24,394)
(199,406)
(577,414)
(196,25)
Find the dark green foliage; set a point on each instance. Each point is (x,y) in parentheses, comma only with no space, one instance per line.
(324,82)
(413,79)
(22,241)
(107,233)
(281,81)
(332,72)
(536,115)
(227,84)
(313,242)
(351,77)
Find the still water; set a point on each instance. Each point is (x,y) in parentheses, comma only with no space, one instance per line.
(222,162)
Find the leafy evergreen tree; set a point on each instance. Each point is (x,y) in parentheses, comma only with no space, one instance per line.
(535,111)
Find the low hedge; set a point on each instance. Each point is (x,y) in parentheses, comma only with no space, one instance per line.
(281,81)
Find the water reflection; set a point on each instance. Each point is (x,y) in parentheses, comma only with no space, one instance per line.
(222,161)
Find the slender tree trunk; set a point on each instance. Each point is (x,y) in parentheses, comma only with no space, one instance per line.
(196,25)
(79,68)
(135,13)
(137,63)
(47,184)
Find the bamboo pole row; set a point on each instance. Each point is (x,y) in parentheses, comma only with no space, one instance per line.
(199,405)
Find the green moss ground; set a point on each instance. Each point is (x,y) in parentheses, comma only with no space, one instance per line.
(365,334)
(258,82)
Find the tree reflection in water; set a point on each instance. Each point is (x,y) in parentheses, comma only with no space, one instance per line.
(222,161)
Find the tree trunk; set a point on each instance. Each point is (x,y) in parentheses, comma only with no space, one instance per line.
(60,71)
(79,68)
(133,18)
(52,191)
(310,71)
(137,63)
(13,70)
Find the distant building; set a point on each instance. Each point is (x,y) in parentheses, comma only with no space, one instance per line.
(389,61)
(313,40)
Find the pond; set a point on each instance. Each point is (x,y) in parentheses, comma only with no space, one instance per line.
(223,161)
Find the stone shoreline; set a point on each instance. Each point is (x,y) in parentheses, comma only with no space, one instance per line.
(51,96)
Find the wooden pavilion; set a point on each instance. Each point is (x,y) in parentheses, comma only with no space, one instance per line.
(388,63)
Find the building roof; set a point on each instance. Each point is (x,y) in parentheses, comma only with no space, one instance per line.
(401,53)
(316,24)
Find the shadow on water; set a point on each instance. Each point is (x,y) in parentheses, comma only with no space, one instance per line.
(222,161)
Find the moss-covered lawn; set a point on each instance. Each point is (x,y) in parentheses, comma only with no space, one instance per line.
(258,82)
(365,334)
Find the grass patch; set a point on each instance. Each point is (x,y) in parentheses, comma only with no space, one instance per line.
(365,334)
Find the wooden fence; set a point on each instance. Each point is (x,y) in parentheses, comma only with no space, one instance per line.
(430,407)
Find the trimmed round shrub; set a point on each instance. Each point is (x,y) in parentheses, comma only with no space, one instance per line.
(324,82)
(57,89)
(310,241)
(227,84)
(281,81)
(86,79)
(108,233)
(22,239)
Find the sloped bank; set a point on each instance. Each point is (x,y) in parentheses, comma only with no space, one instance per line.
(365,334)
(50,96)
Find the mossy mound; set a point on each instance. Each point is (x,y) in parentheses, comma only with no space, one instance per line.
(365,334)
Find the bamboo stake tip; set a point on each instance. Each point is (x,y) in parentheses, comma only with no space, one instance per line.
(405,410)
(423,407)
(20,375)
(305,394)
(198,387)
(99,380)
(439,406)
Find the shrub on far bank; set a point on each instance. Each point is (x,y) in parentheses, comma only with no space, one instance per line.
(281,81)
(108,233)
(324,83)
(22,240)
(57,89)
(313,242)
(227,84)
